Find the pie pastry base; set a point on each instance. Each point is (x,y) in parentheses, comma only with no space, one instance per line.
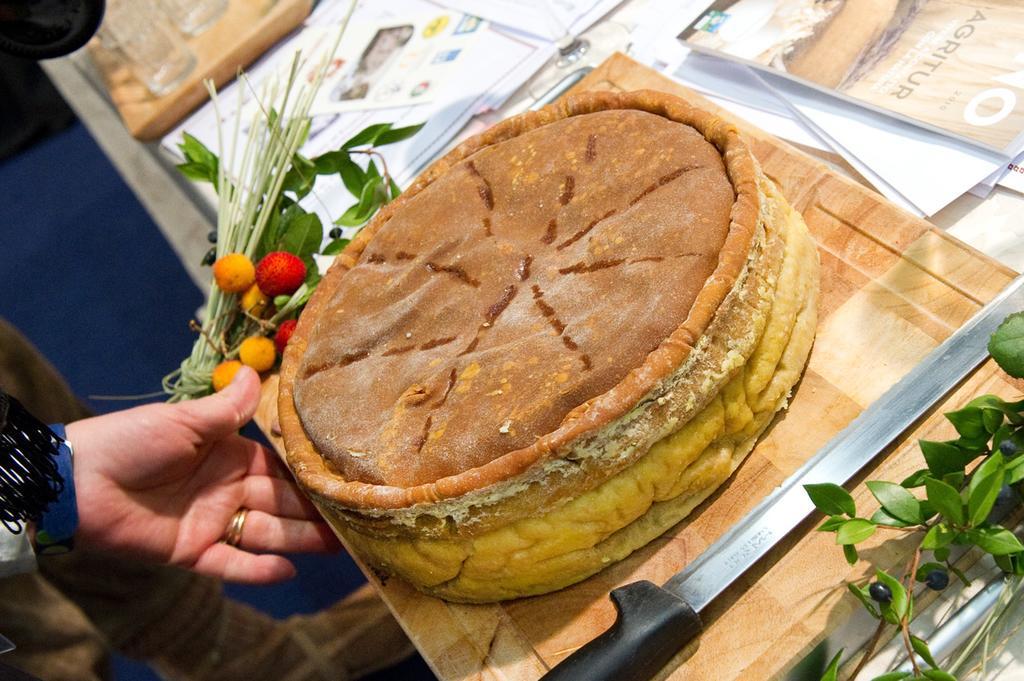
(529,555)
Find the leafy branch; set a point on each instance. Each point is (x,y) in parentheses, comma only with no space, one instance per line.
(964,480)
(260,215)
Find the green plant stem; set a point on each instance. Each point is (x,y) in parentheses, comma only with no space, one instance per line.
(908,579)
(869,649)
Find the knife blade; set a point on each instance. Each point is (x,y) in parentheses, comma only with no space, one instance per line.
(653,623)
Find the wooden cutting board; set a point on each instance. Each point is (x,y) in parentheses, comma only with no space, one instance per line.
(893,287)
(247,29)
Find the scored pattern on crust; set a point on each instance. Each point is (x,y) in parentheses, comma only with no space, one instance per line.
(310,468)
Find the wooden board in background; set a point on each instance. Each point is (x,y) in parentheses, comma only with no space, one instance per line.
(893,287)
(247,29)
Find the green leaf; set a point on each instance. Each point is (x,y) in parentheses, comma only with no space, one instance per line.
(1007,345)
(896,500)
(916,479)
(832,523)
(898,607)
(352,176)
(968,422)
(855,531)
(993,419)
(832,499)
(197,152)
(881,517)
(369,202)
(944,457)
(1015,470)
(921,648)
(350,218)
(367,135)
(986,481)
(892,676)
(850,553)
(946,500)
(941,553)
(937,537)
(865,598)
(954,480)
(396,191)
(279,222)
(938,675)
(371,170)
(300,177)
(303,235)
(397,134)
(995,540)
(312,272)
(335,247)
(330,162)
(832,670)
(197,172)
(925,568)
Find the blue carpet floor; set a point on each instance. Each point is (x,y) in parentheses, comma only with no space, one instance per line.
(89,278)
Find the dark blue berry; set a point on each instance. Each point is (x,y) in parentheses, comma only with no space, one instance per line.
(212,236)
(210,256)
(335,233)
(1009,448)
(937,580)
(880,593)
(1006,500)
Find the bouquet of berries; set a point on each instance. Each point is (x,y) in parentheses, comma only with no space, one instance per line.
(266,244)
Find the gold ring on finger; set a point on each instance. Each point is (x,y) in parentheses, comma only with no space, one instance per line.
(233,533)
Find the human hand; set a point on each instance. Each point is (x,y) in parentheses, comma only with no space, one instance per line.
(162,482)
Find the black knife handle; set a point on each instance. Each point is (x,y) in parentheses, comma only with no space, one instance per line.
(651,627)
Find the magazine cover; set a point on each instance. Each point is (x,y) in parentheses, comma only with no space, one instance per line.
(952,65)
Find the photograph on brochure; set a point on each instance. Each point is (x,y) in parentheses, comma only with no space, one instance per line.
(954,66)
(397,63)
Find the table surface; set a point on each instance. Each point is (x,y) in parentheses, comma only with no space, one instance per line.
(185,213)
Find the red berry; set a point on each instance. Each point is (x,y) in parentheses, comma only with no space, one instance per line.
(280,273)
(284,334)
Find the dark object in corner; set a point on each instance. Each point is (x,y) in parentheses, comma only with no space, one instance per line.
(42,29)
(32,108)
(29,480)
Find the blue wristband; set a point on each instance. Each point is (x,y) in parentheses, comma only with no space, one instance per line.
(55,530)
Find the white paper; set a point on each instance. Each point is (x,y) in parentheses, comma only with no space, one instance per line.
(738,91)
(1010,176)
(397,62)
(728,84)
(931,170)
(908,165)
(548,19)
(493,67)
(1014,177)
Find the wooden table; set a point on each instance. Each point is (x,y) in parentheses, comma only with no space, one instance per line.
(893,286)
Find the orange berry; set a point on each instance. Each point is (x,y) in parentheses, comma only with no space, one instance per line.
(224,373)
(257,352)
(253,301)
(234,273)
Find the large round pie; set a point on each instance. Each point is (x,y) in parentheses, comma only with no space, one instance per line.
(564,336)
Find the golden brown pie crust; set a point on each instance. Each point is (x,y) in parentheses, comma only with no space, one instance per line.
(366,502)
